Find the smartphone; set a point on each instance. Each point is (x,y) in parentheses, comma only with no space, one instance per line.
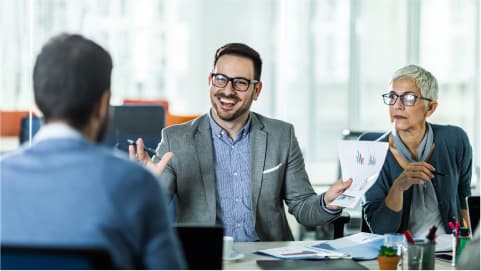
(445,257)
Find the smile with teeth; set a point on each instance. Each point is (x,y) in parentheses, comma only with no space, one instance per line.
(227,102)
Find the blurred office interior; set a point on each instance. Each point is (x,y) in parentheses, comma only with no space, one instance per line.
(326,62)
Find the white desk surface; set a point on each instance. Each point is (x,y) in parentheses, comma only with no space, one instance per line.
(249,260)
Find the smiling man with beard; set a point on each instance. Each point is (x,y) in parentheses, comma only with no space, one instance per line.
(235,167)
(66,190)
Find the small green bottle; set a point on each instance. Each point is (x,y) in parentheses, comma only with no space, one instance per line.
(463,239)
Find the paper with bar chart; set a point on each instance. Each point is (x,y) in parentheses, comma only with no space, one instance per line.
(362,161)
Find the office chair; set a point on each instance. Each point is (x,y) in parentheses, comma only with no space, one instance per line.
(336,227)
(42,258)
(134,121)
(24,133)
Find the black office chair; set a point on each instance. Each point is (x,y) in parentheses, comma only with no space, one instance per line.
(54,258)
(24,134)
(332,230)
(134,121)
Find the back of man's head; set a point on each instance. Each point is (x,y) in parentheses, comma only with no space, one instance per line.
(70,76)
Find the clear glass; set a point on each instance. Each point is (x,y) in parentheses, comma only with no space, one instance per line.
(395,240)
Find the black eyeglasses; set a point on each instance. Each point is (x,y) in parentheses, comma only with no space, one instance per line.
(407,99)
(238,83)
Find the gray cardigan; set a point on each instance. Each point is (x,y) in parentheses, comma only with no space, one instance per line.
(278,176)
(452,155)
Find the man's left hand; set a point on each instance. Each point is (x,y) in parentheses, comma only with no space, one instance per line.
(335,191)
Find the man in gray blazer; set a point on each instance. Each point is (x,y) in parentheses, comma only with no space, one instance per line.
(235,167)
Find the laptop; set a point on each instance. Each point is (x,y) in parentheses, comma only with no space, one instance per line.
(202,245)
(473,212)
(129,122)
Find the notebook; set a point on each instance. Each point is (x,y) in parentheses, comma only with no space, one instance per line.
(202,245)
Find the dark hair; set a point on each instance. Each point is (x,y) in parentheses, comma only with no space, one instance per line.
(70,76)
(243,50)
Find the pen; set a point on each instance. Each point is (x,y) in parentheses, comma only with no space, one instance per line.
(409,237)
(432,234)
(439,173)
(149,150)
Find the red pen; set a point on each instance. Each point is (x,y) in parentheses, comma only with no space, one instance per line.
(409,237)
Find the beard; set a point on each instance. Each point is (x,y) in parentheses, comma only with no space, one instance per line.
(234,115)
(102,129)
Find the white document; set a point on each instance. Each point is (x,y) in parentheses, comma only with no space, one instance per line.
(362,161)
(359,246)
(301,252)
(444,242)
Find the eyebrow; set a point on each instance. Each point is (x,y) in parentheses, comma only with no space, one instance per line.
(402,93)
(236,77)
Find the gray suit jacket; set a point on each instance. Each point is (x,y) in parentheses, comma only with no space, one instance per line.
(277,174)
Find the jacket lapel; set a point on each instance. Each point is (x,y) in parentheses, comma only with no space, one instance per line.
(258,146)
(205,156)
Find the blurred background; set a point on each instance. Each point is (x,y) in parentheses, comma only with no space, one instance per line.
(326,62)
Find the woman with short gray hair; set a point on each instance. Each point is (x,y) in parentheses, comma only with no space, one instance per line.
(427,172)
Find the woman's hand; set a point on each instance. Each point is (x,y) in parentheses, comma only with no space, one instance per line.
(415,173)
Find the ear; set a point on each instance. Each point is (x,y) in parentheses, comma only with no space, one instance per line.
(257,90)
(431,108)
(209,79)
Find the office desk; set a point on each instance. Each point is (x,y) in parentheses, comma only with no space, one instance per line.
(249,260)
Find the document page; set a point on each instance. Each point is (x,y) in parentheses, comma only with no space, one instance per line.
(362,161)
(301,253)
(360,246)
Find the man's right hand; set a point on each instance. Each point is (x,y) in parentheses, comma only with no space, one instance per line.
(137,153)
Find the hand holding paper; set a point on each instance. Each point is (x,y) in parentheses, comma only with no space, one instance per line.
(362,161)
(335,191)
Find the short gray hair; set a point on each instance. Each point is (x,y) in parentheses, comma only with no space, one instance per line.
(425,81)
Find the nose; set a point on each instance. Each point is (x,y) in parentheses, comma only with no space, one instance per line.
(229,88)
(398,104)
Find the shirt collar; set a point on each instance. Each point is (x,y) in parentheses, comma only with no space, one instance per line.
(55,131)
(220,132)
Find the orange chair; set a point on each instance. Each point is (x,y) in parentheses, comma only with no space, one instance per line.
(10,122)
(172,119)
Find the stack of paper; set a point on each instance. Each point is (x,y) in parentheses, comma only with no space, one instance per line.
(360,246)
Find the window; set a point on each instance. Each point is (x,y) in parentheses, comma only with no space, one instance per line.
(326,62)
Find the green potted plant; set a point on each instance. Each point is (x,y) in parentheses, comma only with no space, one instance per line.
(388,258)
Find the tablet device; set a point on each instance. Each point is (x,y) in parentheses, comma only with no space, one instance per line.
(473,212)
